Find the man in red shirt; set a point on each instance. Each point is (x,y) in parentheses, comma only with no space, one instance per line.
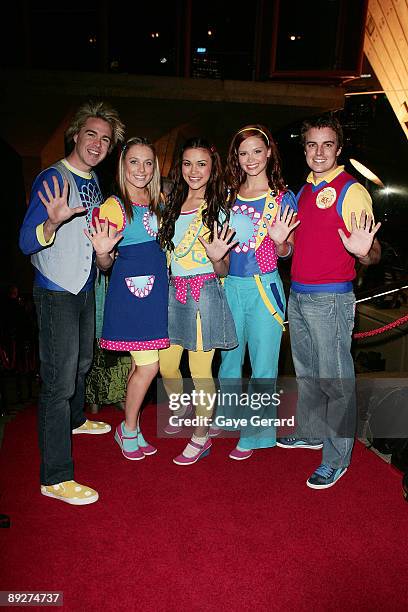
(336,228)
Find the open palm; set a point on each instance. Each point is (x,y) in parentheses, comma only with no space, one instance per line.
(362,235)
(104,239)
(282,225)
(57,203)
(221,243)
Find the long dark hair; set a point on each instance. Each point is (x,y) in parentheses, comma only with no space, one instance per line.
(214,196)
(235,176)
(153,186)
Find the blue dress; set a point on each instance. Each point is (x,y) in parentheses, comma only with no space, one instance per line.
(136,306)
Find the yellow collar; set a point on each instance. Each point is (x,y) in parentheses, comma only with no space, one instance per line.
(328,178)
(86,175)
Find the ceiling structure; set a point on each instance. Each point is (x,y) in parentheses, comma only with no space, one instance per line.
(36,107)
(386,47)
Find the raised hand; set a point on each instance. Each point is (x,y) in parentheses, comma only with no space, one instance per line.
(282,226)
(104,239)
(362,235)
(57,205)
(221,244)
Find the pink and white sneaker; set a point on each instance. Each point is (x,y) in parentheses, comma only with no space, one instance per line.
(214,431)
(149,449)
(171,430)
(176,428)
(145,447)
(202,451)
(134,455)
(240,455)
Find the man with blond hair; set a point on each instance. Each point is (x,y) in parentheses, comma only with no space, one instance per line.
(63,201)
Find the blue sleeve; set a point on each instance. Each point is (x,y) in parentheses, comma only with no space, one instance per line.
(289,199)
(299,194)
(36,212)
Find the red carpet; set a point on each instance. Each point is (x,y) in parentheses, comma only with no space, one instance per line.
(219,534)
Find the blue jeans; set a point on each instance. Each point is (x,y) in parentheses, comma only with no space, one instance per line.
(66,324)
(321,326)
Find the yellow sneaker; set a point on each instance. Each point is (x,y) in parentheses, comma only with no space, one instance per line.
(71,492)
(92,427)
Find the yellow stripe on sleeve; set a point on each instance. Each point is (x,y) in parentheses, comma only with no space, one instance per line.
(39,230)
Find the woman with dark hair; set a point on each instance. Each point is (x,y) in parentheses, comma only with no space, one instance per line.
(135,315)
(262,216)
(197,238)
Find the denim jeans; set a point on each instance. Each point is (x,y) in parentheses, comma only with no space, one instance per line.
(66,325)
(321,326)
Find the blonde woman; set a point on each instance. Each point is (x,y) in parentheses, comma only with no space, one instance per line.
(135,317)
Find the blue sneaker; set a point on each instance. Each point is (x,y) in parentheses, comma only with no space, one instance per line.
(325,476)
(296,443)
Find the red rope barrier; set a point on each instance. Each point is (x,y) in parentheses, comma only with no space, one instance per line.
(380,330)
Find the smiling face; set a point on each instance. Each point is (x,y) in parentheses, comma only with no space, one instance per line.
(321,150)
(253,155)
(196,168)
(91,144)
(139,167)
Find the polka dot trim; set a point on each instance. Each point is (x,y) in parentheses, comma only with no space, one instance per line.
(196,283)
(134,345)
(279,197)
(266,255)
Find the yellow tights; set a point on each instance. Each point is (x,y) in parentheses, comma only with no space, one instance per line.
(200,369)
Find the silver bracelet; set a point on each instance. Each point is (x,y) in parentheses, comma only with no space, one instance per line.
(289,253)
